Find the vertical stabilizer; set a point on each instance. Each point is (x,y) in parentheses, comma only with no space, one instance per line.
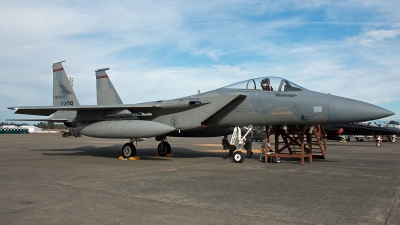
(106,93)
(63,94)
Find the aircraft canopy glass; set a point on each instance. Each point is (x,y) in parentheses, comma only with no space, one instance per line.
(267,84)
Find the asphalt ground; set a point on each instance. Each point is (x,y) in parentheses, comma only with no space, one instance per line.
(47,179)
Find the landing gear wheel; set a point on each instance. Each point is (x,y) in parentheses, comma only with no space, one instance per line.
(164,148)
(168,147)
(128,150)
(378,144)
(238,157)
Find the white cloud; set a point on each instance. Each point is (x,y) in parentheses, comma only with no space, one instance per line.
(275,68)
(372,37)
(212,53)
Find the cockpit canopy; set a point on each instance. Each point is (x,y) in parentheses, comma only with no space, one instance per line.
(267,84)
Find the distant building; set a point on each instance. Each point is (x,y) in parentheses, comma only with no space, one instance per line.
(32,129)
(9,127)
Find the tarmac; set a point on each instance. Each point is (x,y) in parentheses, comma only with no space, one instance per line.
(47,179)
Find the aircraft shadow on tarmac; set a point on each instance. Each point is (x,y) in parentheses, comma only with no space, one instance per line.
(114,152)
(150,154)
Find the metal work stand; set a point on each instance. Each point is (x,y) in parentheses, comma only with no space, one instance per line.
(304,137)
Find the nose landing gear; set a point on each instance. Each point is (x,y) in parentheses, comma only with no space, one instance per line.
(238,157)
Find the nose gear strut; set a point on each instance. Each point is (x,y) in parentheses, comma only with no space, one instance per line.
(237,135)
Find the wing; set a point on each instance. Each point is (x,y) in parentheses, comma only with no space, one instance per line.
(42,120)
(154,108)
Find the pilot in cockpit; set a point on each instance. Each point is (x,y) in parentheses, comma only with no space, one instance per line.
(266,85)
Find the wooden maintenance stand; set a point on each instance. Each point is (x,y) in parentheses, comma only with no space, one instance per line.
(304,137)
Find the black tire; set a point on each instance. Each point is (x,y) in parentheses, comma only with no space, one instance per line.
(168,147)
(378,144)
(128,150)
(64,135)
(238,157)
(163,148)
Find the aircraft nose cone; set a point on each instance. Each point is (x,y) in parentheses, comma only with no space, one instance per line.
(344,110)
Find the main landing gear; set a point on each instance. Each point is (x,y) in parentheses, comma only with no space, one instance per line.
(163,149)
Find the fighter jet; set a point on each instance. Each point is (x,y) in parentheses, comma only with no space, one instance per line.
(352,129)
(358,129)
(259,101)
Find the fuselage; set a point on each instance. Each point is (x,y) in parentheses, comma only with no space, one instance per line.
(259,107)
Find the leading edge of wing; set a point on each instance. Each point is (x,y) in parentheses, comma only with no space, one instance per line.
(42,120)
(170,105)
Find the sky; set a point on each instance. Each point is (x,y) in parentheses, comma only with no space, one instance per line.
(160,50)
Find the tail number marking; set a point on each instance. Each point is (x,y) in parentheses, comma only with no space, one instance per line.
(67,103)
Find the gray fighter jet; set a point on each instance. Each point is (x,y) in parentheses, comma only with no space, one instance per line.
(259,101)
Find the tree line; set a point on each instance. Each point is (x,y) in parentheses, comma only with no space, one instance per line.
(43,125)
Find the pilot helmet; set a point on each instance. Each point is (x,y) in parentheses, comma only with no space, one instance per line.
(264,83)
